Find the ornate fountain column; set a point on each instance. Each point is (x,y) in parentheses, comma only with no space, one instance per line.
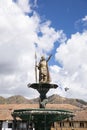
(42,88)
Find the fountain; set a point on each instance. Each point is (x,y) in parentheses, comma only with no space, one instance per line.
(42,118)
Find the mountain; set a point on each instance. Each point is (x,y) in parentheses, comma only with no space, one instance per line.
(2,100)
(15,100)
(54,99)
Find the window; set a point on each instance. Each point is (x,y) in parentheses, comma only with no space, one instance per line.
(61,124)
(9,125)
(82,124)
(71,124)
(53,125)
(86,124)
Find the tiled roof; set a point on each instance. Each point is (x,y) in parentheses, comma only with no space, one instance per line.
(7,109)
(81,115)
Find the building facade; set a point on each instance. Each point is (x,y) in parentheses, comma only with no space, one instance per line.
(79,121)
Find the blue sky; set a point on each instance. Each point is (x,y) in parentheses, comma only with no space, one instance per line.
(63,14)
(57,27)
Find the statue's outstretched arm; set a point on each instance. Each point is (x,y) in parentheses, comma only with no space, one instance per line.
(49,58)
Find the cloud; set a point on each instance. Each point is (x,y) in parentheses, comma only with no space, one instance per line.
(72,56)
(49,36)
(84,20)
(81,24)
(35,3)
(24,5)
(18,34)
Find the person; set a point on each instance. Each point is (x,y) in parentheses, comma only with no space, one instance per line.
(44,76)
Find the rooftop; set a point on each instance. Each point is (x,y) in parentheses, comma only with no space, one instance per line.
(7,109)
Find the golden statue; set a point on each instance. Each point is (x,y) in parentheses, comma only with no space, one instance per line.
(44,76)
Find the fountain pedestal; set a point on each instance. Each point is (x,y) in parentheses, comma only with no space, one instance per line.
(42,88)
(42,118)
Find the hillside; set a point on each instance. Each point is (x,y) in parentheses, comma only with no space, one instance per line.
(15,100)
(54,99)
(2,100)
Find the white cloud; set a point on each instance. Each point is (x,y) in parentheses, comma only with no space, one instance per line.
(73,57)
(35,3)
(18,35)
(81,24)
(49,37)
(85,18)
(24,5)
